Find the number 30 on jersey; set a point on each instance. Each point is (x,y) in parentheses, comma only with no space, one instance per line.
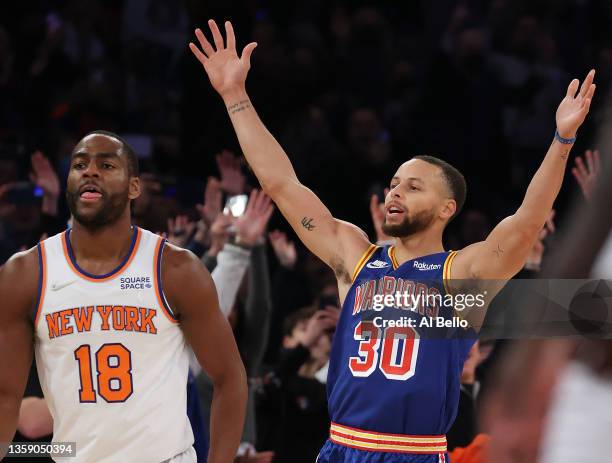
(398,357)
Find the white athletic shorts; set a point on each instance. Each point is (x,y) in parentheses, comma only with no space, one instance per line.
(188,456)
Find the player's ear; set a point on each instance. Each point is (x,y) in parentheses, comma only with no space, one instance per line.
(448,209)
(134,188)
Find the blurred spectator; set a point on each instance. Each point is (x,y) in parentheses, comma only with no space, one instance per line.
(292,413)
(465,427)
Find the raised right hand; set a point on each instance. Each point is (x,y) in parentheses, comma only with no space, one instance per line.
(251,225)
(227,72)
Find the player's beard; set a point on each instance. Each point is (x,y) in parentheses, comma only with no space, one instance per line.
(410,225)
(112,208)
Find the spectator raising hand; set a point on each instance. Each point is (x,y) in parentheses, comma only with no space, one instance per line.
(212,201)
(219,233)
(43,175)
(586,175)
(232,179)
(322,321)
(250,226)
(534,259)
(179,230)
(283,248)
(377,212)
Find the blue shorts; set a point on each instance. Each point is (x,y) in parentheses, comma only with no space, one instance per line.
(336,453)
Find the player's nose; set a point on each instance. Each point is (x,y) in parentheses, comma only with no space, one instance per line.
(91,171)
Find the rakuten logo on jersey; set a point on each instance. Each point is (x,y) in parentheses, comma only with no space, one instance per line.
(422,266)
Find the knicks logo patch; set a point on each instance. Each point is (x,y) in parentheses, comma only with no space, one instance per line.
(377,264)
(135,283)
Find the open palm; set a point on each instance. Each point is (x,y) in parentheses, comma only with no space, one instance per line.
(227,72)
(575,106)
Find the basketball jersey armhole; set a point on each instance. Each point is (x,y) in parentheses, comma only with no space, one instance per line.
(159,289)
(42,282)
(364,259)
(446,272)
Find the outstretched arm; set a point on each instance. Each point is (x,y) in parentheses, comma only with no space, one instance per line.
(18,287)
(505,250)
(337,243)
(191,293)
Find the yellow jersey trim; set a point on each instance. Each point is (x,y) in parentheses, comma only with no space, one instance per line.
(364,258)
(446,272)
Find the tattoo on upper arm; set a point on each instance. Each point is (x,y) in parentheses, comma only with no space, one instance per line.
(307,223)
(499,251)
(240,106)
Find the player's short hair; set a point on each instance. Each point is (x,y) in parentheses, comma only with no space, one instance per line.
(132,157)
(454,180)
(296,317)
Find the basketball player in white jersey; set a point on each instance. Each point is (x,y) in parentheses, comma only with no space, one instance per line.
(109,309)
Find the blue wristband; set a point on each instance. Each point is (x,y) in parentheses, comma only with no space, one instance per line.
(565,141)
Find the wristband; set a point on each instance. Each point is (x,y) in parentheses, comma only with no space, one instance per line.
(565,141)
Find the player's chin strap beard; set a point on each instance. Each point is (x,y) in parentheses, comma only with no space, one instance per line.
(408,227)
(111,211)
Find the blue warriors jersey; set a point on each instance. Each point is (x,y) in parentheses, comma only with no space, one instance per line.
(389,376)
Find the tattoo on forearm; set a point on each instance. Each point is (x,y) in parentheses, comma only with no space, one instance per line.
(240,106)
(499,251)
(307,223)
(565,154)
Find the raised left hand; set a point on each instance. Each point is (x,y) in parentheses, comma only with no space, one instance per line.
(226,70)
(232,179)
(180,230)
(377,212)
(534,258)
(575,106)
(43,175)
(251,225)
(586,175)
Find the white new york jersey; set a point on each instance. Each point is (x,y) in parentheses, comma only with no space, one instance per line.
(111,357)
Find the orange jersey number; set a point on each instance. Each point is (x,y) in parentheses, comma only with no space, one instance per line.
(114,373)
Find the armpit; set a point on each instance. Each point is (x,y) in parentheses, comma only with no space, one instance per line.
(337,265)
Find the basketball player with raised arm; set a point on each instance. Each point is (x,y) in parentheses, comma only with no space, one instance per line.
(392,396)
(109,310)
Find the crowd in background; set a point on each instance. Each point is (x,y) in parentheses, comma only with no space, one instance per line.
(350,89)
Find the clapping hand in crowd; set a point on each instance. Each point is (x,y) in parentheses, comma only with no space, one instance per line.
(233,180)
(251,225)
(586,174)
(322,321)
(377,212)
(534,259)
(179,230)
(219,233)
(283,248)
(248,228)
(213,197)
(43,175)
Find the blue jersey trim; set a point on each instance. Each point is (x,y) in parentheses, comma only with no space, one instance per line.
(116,270)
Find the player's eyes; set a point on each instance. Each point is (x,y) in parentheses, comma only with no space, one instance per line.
(107,165)
(78,165)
